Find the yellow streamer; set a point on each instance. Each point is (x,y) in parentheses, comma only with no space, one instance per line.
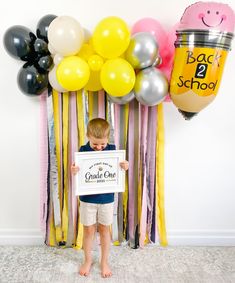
(80,117)
(56,109)
(52,241)
(90,104)
(160,177)
(81,131)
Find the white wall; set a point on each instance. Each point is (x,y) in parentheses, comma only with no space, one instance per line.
(199,154)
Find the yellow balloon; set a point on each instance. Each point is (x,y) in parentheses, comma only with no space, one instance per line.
(117,77)
(86,51)
(95,62)
(94,83)
(111,37)
(73,73)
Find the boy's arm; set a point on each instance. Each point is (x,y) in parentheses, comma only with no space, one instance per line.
(74,168)
(124,164)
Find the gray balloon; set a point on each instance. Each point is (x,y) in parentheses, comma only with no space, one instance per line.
(151,86)
(122,99)
(142,51)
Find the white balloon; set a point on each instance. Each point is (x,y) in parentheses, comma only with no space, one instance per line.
(57,58)
(51,49)
(87,35)
(65,35)
(54,82)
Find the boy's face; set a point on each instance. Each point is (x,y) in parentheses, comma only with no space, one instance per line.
(97,144)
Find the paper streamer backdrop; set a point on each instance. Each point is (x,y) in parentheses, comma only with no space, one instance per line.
(139,217)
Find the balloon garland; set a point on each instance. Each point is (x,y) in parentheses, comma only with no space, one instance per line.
(112,59)
(124,62)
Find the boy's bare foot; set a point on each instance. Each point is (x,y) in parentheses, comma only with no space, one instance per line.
(85,268)
(105,270)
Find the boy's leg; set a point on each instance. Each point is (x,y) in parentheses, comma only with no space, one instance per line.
(105,219)
(105,239)
(88,214)
(88,236)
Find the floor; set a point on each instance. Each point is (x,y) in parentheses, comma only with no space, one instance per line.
(149,265)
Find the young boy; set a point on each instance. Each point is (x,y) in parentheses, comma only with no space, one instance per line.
(97,207)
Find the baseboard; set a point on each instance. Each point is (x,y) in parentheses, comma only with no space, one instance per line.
(201,237)
(174,237)
(21,237)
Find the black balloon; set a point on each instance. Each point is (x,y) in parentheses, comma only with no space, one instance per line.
(42,26)
(18,42)
(30,81)
(40,46)
(45,63)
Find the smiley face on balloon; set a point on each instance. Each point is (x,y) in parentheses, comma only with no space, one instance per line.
(208,15)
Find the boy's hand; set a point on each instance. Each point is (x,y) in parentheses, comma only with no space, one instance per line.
(124,165)
(74,169)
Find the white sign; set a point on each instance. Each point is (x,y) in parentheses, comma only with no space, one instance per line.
(99,172)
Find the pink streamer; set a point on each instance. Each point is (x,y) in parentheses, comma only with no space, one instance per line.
(101,104)
(143,219)
(116,141)
(43,160)
(151,167)
(131,196)
(73,147)
(116,125)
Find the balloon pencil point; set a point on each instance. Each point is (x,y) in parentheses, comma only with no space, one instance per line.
(187,115)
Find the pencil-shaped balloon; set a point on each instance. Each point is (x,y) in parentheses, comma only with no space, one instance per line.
(204,38)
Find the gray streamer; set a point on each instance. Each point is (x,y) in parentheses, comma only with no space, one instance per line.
(53,163)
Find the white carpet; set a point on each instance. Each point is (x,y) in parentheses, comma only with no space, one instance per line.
(149,265)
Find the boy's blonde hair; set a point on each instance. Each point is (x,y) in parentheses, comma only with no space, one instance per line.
(98,128)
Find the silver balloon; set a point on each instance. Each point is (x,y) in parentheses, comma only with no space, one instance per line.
(142,51)
(157,62)
(122,99)
(151,86)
